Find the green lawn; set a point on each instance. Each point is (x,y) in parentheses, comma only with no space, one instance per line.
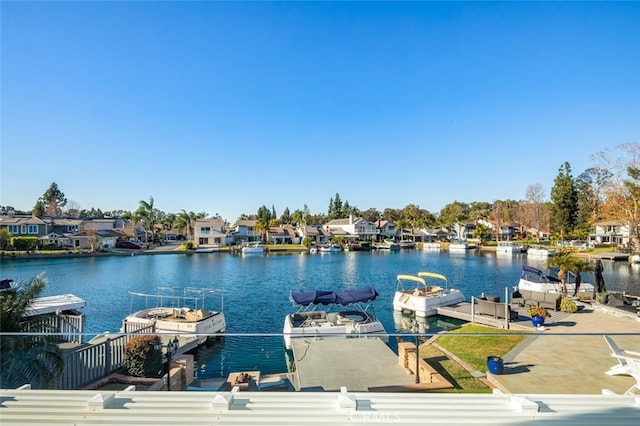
(473,350)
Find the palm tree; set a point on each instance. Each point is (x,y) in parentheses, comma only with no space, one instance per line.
(262,226)
(565,263)
(147,215)
(579,266)
(34,359)
(185,221)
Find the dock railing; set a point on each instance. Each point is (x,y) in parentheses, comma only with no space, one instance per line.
(100,357)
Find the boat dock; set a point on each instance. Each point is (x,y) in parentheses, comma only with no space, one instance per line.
(360,364)
(462,311)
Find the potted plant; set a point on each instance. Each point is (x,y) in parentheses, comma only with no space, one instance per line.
(537,315)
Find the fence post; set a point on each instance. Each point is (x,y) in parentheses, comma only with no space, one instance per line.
(107,356)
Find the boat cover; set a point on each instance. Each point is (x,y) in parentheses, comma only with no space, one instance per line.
(320,297)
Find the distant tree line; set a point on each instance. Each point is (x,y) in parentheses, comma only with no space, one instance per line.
(609,190)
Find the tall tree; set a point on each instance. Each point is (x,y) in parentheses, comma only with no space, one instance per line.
(147,215)
(51,202)
(262,226)
(565,202)
(592,184)
(534,213)
(184,222)
(619,203)
(454,212)
(371,215)
(26,358)
(335,207)
(297,218)
(632,185)
(286,216)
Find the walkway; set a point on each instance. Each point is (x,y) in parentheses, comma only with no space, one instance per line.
(570,356)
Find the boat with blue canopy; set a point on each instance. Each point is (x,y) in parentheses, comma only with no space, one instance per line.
(311,321)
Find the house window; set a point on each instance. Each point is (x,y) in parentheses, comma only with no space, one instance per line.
(72,228)
(14,229)
(32,229)
(205,229)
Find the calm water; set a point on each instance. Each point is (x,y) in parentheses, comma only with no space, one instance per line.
(256,289)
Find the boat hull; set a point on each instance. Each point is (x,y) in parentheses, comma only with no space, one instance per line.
(425,305)
(184,321)
(548,287)
(252,250)
(538,252)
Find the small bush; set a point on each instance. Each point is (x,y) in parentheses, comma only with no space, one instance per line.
(568,305)
(189,245)
(141,359)
(538,311)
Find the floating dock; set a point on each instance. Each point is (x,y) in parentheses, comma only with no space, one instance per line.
(360,364)
(462,311)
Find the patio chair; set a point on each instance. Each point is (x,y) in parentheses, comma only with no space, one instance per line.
(633,366)
(624,358)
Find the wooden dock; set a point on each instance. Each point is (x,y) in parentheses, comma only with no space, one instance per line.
(462,311)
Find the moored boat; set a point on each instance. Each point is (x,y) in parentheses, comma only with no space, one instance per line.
(208,249)
(388,244)
(534,279)
(431,246)
(509,247)
(541,252)
(255,247)
(330,248)
(309,322)
(413,294)
(176,314)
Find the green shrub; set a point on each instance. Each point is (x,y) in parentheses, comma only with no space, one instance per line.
(189,245)
(24,243)
(568,305)
(141,359)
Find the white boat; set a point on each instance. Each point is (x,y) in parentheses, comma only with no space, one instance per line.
(540,252)
(534,279)
(634,258)
(255,247)
(431,246)
(413,294)
(388,244)
(509,247)
(331,248)
(308,322)
(461,245)
(54,305)
(208,249)
(176,314)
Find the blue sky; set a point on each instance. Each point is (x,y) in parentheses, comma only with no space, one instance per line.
(224,107)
